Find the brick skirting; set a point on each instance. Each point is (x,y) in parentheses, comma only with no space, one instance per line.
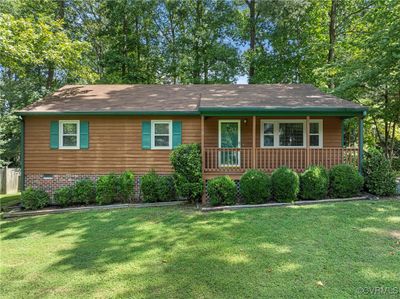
(50,183)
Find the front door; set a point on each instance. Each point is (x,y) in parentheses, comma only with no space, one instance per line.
(229,138)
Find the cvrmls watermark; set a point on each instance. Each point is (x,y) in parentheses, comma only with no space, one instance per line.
(379,290)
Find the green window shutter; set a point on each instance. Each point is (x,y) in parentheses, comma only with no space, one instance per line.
(146,134)
(84,134)
(176,133)
(54,134)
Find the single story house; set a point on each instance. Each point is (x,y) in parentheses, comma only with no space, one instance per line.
(85,131)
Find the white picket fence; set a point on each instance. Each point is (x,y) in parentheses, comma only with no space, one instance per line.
(9,180)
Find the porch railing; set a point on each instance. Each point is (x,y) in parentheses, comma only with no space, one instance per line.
(268,159)
(227,159)
(329,157)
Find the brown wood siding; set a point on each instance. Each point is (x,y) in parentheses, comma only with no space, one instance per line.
(115,143)
(115,146)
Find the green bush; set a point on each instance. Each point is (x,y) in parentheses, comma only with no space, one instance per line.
(155,188)
(314,183)
(378,173)
(107,189)
(149,187)
(115,188)
(84,192)
(64,196)
(33,199)
(222,191)
(186,161)
(126,186)
(396,164)
(166,188)
(344,181)
(255,186)
(285,184)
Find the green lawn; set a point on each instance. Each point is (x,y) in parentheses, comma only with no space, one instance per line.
(327,250)
(8,200)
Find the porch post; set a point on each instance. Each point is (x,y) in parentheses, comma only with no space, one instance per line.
(360,143)
(204,197)
(254,143)
(307,141)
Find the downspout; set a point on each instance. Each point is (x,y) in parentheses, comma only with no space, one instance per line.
(22,153)
(342,125)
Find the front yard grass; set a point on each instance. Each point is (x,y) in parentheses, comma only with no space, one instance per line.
(329,250)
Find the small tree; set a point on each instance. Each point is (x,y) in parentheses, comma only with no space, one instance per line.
(378,173)
(186,161)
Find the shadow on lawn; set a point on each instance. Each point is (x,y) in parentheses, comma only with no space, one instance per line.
(184,253)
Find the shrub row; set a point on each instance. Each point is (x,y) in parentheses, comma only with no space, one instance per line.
(107,189)
(83,192)
(285,185)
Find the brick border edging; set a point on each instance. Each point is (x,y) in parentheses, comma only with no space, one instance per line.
(285,204)
(17,214)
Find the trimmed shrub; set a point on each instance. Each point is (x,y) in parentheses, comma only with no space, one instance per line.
(344,181)
(156,188)
(314,183)
(255,186)
(84,192)
(64,196)
(285,184)
(166,188)
(33,199)
(107,189)
(126,186)
(115,188)
(222,191)
(186,161)
(378,173)
(149,187)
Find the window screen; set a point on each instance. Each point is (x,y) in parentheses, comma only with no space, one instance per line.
(291,134)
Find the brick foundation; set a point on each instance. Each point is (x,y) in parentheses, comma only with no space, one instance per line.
(50,183)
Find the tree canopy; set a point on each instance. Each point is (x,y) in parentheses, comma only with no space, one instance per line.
(350,48)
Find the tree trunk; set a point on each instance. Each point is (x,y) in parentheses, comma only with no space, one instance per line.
(61,10)
(332,37)
(252,27)
(197,56)
(124,47)
(387,125)
(50,76)
(59,15)
(173,52)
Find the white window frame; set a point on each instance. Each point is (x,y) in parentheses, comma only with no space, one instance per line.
(153,134)
(276,123)
(320,132)
(61,134)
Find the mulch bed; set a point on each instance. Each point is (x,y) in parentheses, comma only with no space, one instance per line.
(57,210)
(280,204)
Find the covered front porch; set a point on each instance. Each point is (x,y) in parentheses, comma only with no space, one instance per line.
(231,144)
